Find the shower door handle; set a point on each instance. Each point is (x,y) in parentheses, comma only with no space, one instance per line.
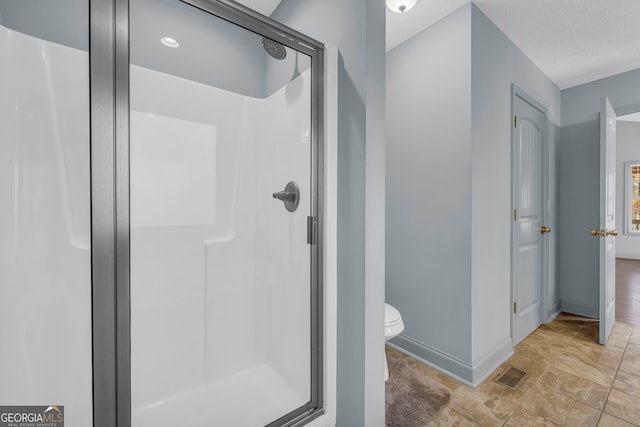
(290,196)
(285,196)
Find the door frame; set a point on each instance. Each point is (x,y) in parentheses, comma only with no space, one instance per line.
(110,233)
(622,111)
(543,292)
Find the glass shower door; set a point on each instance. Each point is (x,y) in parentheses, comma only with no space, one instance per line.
(223,207)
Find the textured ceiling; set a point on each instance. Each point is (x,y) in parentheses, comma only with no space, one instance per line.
(571,41)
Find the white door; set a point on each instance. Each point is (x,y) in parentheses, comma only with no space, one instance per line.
(528,217)
(607,230)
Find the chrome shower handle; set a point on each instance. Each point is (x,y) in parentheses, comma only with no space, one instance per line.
(290,196)
(285,196)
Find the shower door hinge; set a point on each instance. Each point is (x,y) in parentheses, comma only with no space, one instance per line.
(312,230)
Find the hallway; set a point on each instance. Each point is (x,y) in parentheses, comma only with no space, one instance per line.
(628,290)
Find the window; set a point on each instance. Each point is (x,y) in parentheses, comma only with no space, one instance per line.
(632,197)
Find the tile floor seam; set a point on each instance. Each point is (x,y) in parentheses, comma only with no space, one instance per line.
(461,414)
(580,401)
(574,400)
(618,364)
(617,416)
(569,342)
(546,368)
(626,344)
(604,404)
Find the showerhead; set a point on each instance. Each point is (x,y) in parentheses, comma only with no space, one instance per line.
(273,48)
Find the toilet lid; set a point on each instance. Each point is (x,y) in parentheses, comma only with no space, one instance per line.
(391,315)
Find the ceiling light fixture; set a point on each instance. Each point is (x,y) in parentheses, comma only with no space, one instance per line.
(400,6)
(169,42)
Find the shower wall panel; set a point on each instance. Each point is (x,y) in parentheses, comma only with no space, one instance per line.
(45,263)
(281,141)
(213,316)
(179,152)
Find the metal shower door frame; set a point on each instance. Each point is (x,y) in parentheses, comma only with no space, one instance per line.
(110,232)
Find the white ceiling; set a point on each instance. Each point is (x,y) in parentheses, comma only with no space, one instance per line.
(402,26)
(633,117)
(265,7)
(571,41)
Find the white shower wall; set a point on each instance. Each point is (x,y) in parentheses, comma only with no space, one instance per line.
(45,263)
(217,296)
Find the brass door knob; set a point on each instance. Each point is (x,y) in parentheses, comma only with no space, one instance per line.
(596,233)
(613,233)
(545,229)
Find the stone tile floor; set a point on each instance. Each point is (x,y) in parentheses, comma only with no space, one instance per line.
(572,381)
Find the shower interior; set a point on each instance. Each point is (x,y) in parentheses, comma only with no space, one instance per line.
(220,271)
(208,295)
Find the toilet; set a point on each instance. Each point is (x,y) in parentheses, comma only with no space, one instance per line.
(393,326)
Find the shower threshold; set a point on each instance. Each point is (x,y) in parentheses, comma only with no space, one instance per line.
(250,398)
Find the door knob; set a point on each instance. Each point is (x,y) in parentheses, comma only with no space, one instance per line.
(290,196)
(597,232)
(545,229)
(613,233)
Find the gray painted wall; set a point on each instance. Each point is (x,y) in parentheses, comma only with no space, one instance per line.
(582,103)
(627,150)
(552,303)
(428,223)
(579,159)
(357,28)
(496,63)
(579,171)
(449,192)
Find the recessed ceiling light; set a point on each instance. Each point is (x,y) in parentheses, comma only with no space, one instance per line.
(400,6)
(169,42)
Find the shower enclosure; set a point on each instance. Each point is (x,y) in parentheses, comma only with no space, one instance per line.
(187,165)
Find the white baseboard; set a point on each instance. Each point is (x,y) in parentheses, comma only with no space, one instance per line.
(553,312)
(579,309)
(471,375)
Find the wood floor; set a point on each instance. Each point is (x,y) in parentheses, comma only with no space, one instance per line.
(628,290)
